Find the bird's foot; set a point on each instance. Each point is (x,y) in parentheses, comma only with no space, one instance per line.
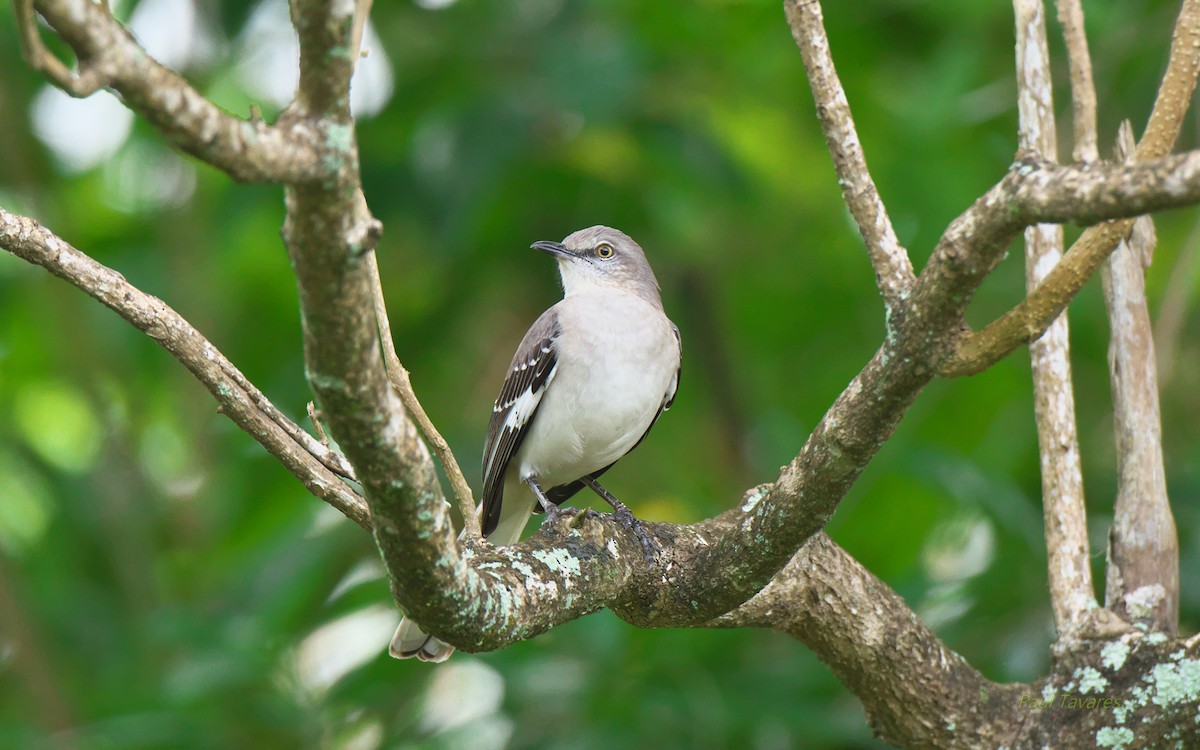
(555,512)
(625,517)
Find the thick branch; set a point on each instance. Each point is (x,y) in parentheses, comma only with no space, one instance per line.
(808,490)
(1142,581)
(307,459)
(328,51)
(330,236)
(1029,319)
(251,151)
(1069,570)
(911,685)
(893,269)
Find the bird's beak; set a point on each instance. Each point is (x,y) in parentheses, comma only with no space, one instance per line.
(557,249)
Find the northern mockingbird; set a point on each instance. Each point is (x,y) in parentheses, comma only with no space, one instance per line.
(587,383)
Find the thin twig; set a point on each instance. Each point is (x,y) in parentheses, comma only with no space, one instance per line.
(403,384)
(1030,318)
(362,12)
(332,460)
(1069,571)
(89,79)
(315,417)
(291,150)
(1143,551)
(893,268)
(1083,90)
(29,240)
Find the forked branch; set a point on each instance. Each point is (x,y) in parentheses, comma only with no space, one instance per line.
(1030,318)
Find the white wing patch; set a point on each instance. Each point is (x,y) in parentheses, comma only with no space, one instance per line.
(524,405)
(520,411)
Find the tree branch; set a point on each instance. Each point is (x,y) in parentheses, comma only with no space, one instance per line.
(250,151)
(1030,318)
(893,268)
(1083,90)
(362,12)
(911,685)
(1069,569)
(330,235)
(328,52)
(84,83)
(1142,581)
(402,382)
(308,460)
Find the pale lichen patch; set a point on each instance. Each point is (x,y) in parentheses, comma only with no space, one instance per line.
(1114,737)
(753,498)
(1091,681)
(1113,655)
(339,137)
(559,560)
(1176,684)
(1141,602)
(1048,693)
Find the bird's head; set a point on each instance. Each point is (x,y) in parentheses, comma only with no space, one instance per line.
(599,257)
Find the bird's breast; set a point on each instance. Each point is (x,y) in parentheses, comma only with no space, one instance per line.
(616,362)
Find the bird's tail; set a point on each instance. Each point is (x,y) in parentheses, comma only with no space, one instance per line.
(410,640)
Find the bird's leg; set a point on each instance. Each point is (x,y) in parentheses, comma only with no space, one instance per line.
(650,548)
(553,512)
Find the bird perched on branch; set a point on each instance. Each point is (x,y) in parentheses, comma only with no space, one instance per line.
(588,381)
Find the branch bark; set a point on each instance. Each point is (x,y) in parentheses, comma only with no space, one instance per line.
(893,268)
(911,685)
(1069,570)
(247,150)
(1083,90)
(309,461)
(1029,319)
(1142,581)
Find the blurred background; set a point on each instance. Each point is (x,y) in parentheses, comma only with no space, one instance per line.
(165,584)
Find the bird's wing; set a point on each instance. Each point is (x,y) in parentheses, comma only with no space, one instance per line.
(564,492)
(532,369)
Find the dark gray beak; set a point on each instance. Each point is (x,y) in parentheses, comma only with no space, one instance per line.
(557,249)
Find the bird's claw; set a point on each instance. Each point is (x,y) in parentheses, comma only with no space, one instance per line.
(555,512)
(650,547)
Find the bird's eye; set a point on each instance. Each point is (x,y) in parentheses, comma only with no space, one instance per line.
(604,250)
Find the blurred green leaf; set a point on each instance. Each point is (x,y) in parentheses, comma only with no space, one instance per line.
(58,423)
(26,506)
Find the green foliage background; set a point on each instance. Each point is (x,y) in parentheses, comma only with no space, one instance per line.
(161,578)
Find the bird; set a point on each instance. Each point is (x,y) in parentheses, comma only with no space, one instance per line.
(587,383)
